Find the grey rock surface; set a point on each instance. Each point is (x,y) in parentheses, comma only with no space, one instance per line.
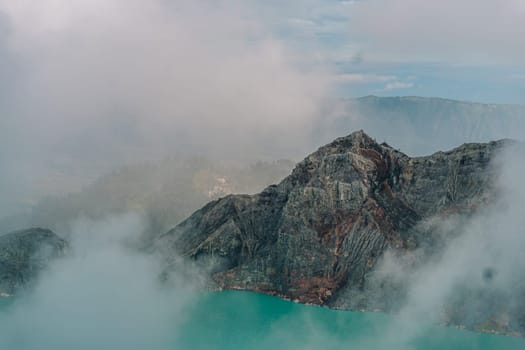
(317,236)
(23,254)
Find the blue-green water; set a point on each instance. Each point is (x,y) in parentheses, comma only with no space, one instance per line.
(242,320)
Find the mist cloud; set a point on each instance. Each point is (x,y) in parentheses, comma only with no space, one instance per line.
(476,278)
(461,32)
(94,83)
(104,295)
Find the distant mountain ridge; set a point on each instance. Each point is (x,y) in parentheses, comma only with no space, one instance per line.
(424,125)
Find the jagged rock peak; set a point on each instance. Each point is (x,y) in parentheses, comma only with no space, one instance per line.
(358,138)
(356,151)
(351,143)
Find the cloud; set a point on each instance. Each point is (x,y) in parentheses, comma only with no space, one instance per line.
(398,85)
(152,69)
(465,31)
(98,83)
(392,82)
(363,78)
(479,272)
(517,76)
(104,294)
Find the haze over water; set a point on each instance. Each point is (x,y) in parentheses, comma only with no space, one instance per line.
(243,320)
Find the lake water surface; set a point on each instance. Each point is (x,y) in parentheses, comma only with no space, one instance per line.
(242,320)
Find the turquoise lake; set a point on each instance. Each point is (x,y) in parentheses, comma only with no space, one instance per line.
(242,320)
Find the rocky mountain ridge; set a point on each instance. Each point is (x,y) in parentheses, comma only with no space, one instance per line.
(331,219)
(317,236)
(423,125)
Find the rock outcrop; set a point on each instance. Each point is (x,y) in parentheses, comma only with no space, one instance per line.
(316,236)
(23,254)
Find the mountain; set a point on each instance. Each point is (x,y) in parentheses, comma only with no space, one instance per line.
(166,191)
(323,235)
(422,125)
(23,254)
(318,236)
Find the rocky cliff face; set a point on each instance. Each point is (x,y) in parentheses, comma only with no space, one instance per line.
(318,236)
(23,254)
(323,228)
